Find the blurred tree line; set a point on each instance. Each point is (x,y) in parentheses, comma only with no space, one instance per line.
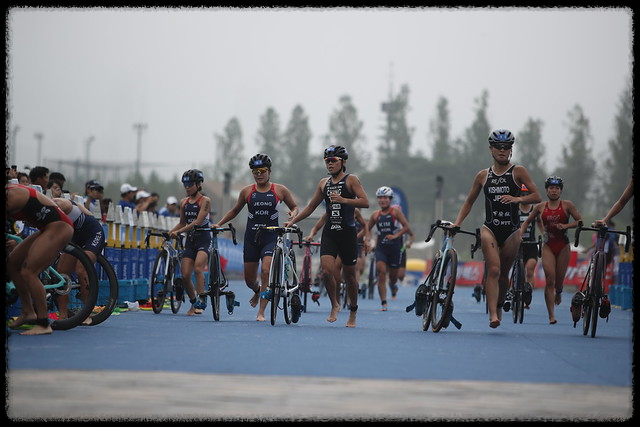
(593,181)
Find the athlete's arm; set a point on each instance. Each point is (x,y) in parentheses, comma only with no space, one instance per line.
(626,195)
(476,187)
(313,204)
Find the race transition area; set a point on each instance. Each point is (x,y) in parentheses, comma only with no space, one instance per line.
(145,366)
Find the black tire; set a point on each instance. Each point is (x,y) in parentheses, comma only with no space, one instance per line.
(516,285)
(78,309)
(429,281)
(305,283)
(597,286)
(158,282)
(275,278)
(296,308)
(373,276)
(215,283)
(112,288)
(442,299)
(176,302)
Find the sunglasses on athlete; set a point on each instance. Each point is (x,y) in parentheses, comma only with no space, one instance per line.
(259,171)
(188,184)
(502,146)
(331,159)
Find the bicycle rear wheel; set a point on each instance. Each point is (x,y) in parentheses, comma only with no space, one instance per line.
(83,292)
(111,288)
(442,299)
(158,281)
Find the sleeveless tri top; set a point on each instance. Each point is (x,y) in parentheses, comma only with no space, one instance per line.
(262,208)
(339,216)
(501,214)
(386,224)
(191,211)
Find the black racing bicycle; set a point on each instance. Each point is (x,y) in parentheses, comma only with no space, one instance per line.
(218,282)
(591,301)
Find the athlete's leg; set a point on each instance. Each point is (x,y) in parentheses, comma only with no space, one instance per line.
(327,264)
(491,255)
(508,254)
(549,266)
(562,263)
(264,277)
(349,272)
(186,267)
(381,267)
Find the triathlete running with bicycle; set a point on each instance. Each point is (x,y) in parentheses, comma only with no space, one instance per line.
(194,210)
(342,193)
(262,200)
(500,235)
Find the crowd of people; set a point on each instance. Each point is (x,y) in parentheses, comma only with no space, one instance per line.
(513,204)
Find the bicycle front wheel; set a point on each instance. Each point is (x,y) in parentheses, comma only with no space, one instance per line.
(275,281)
(110,287)
(442,299)
(373,276)
(83,288)
(158,281)
(517,286)
(215,284)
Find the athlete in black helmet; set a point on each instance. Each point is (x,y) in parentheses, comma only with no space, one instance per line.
(342,193)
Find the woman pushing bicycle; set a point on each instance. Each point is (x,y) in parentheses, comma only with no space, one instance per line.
(262,200)
(194,210)
(500,236)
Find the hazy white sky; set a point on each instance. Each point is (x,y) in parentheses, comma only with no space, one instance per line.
(76,73)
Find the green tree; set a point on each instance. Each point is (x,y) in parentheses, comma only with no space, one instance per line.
(529,151)
(229,151)
(345,129)
(269,138)
(396,137)
(299,177)
(577,166)
(439,133)
(619,165)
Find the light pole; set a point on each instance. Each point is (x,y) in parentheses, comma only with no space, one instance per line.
(139,127)
(87,164)
(39,137)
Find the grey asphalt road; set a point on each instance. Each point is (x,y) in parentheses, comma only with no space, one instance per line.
(143,366)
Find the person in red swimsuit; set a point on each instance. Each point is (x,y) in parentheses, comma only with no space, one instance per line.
(35,253)
(556,252)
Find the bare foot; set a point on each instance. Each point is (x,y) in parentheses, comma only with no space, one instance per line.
(260,317)
(87,321)
(351,323)
(191,311)
(254,299)
(38,330)
(558,298)
(552,321)
(494,323)
(334,314)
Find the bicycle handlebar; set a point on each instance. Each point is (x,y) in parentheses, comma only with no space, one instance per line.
(217,230)
(445,225)
(281,231)
(602,232)
(163,234)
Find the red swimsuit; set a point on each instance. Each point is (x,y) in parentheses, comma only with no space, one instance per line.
(37,214)
(558,239)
